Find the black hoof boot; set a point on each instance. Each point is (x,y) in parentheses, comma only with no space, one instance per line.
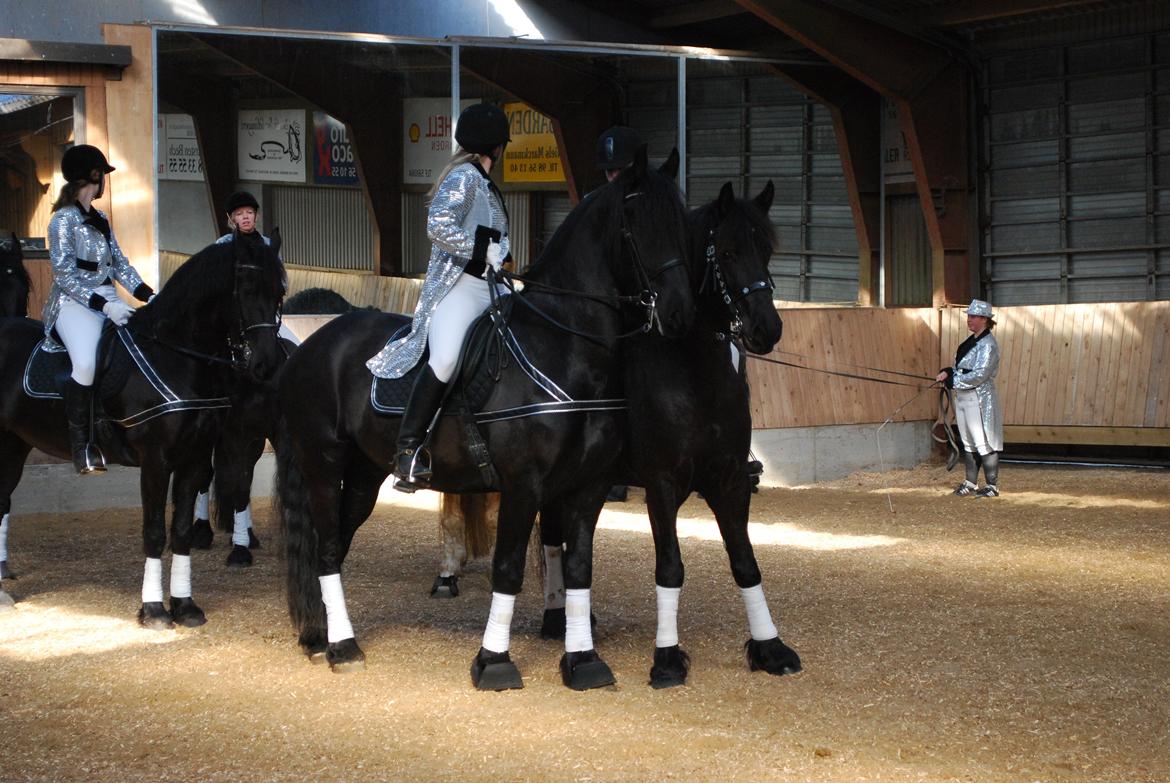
(154,616)
(670,668)
(5,573)
(345,656)
(585,670)
(493,671)
(239,557)
(314,645)
(552,625)
(445,587)
(253,542)
(186,613)
(201,534)
(772,656)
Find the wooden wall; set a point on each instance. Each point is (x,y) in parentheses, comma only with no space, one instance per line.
(1080,373)
(838,339)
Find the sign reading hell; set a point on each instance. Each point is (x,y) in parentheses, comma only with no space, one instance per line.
(532,155)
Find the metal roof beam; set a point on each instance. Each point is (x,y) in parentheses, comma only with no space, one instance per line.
(971,11)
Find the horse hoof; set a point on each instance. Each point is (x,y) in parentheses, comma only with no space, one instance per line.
(4,572)
(154,616)
(493,671)
(552,625)
(345,656)
(585,670)
(201,534)
(317,657)
(445,587)
(185,613)
(6,602)
(772,656)
(253,542)
(670,668)
(239,557)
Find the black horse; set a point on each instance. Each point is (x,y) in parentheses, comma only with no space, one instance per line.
(334,450)
(217,315)
(14,280)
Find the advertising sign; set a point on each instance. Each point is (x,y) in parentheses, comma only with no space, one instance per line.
(896,161)
(269,145)
(334,162)
(532,155)
(426,142)
(178,154)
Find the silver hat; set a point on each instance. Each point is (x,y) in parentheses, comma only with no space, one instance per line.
(979,307)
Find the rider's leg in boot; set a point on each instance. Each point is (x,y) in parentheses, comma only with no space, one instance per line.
(87,457)
(424,401)
(991,474)
(972,468)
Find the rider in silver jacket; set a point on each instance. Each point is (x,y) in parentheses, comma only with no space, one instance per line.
(978,413)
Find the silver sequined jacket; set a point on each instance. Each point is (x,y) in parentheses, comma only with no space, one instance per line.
(82,260)
(463,201)
(975,374)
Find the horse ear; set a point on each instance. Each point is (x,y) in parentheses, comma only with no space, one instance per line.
(669,167)
(276,240)
(764,200)
(726,198)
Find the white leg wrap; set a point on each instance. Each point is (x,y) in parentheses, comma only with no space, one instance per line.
(498,634)
(667,616)
(152,581)
(180,576)
(336,616)
(202,506)
(554,578)
(578,632)
(243,521)
(4,538)
(759,619)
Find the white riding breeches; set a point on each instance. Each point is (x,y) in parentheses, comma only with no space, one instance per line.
(453,316)
(970,421)
(80,329)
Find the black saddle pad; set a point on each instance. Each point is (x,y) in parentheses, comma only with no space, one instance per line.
(46,371)
(476,374)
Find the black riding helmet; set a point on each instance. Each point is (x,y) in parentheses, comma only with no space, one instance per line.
(241,198)
(616,147)
(482,127)
(84,162)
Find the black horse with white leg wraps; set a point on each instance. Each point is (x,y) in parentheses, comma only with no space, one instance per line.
(164,383)
(552,426)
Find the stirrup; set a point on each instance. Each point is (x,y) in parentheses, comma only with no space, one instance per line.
(95,461)
(989,491)
(965,489)
(417,473)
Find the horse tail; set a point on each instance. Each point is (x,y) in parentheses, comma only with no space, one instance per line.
(479,522)
(291,502)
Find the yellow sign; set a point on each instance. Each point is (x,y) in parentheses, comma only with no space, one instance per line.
(532,155)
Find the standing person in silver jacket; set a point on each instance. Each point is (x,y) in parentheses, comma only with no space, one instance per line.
(86,261)
(468,228)
(977,409)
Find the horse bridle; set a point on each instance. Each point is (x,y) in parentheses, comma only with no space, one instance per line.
(238,347)
(648,297)
(735,328)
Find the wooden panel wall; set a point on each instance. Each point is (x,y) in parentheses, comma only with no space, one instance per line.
(837,339)
(1101,365)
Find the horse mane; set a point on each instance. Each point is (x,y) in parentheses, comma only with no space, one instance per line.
(599,214)
(199,294)
(11,258)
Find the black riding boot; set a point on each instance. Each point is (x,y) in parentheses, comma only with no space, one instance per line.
(87,457)
(991,474)
(411,466)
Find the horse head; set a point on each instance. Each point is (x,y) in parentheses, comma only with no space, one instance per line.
(226,296)
(653,242)
(258,291)
(733,241)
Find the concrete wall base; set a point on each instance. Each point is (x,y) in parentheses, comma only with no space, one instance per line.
(806,455)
